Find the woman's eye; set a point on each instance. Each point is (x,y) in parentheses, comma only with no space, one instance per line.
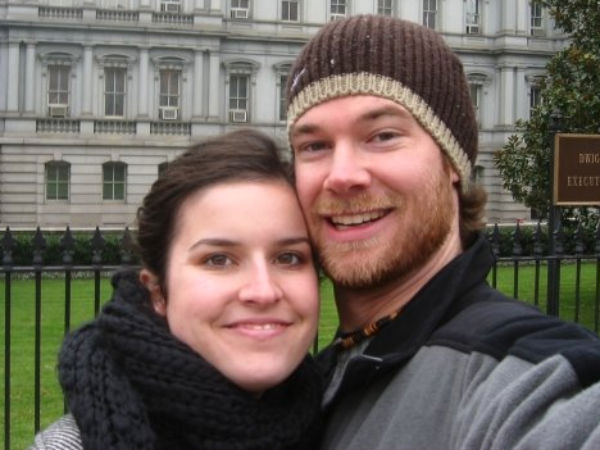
(289,259)
(218,259)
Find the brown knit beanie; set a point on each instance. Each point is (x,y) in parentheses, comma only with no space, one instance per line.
(397,60)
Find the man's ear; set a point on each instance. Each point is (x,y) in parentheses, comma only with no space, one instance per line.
(454,176)
(150,281)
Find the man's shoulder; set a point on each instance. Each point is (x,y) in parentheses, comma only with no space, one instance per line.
(499,326)
(61,435)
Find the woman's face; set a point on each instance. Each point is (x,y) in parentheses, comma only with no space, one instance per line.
(241,287)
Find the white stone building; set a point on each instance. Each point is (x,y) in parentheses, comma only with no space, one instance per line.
(96,96)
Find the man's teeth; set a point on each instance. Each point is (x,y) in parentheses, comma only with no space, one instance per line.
(357,219)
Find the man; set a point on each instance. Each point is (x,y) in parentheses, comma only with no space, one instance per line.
(428,356)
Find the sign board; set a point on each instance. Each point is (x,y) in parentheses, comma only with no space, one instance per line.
(576,169)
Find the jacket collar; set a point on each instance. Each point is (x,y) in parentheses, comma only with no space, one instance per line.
(432,306)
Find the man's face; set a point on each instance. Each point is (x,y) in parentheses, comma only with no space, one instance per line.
(379,198)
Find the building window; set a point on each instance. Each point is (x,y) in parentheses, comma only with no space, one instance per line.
(385,7)
(169,94)
(429,13)
(537,22)
(113,180)
(170,6)
(58,174)
(58,90)
(238,97)
(477,174)
(162,167)
(472,17)
(114,91)
(475,90)
(282,106)
(535,97)
(337,9)
(240,9)
(289,11)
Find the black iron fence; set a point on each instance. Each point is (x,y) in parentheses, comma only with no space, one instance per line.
(565,283)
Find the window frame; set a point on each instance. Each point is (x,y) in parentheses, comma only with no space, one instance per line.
(240,68)
(242,79)
(113,182)
(58,182)
(58,68)
(476,82)
(430,14)
(381,9)
(536,18)
(114,93)
(289,3)
(534,82)
(338,4)
(473,17)
(172,72)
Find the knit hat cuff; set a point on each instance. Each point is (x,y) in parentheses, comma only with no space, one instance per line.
(365,83)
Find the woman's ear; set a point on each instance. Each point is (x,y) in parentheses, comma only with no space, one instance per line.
(150,281)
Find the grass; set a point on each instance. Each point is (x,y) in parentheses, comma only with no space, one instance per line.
(82,309)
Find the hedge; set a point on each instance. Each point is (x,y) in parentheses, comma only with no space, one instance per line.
(114,249)
(506,241)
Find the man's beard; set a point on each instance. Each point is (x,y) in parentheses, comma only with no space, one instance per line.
(423,224)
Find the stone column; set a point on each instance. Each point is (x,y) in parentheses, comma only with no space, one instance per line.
(143,84)
(13,77)
(87,83)
(509,16)
(507,95)
(197,84)
(522,8)
(215,5)
(30,78)
(213,86)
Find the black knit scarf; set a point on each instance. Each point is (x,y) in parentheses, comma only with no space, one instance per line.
(132,386)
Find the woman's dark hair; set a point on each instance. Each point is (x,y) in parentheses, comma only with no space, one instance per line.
(244,155)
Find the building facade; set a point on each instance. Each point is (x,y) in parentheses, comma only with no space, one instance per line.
(96,97)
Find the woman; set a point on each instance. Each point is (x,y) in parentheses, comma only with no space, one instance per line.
(205,347)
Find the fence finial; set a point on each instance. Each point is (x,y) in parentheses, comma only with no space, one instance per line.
(39,246)
(126,247)
(67,244)
(8,245)
(97,246)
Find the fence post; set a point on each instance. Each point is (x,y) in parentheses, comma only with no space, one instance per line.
(7,244)
(554,219)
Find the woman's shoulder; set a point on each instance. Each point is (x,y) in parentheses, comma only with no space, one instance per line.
(61,435)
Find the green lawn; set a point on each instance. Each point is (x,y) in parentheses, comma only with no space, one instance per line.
(82,309)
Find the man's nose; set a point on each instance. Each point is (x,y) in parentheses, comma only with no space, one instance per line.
(348,172)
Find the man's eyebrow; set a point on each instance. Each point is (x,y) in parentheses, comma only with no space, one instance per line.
(305,129)
(387,110)
(374,114)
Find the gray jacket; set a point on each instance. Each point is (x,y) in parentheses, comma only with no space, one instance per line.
(464,367)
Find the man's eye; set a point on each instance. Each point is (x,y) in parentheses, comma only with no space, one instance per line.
(313,146)
(385,136)
(218,259)
(289,259)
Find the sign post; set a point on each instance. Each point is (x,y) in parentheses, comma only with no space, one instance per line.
(575,181)
(576,170)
